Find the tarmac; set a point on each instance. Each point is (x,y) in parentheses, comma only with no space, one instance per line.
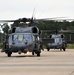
(53,62)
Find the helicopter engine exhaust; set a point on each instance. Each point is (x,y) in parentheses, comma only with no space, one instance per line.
(36,30)
(13,30)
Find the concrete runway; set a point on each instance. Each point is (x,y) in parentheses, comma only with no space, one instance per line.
(54,62)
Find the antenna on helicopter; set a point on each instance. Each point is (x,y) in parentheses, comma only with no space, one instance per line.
(32,19)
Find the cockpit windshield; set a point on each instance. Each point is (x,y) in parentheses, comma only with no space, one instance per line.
(22,37)
(28,37)
(14,37)
(58,40)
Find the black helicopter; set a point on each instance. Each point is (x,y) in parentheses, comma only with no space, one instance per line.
(22,39)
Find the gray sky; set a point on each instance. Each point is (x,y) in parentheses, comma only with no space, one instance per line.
(14,9)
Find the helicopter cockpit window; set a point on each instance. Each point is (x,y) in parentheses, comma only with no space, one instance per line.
(20,37)
(28,37)
(17,37)
(58,40)
(14,37)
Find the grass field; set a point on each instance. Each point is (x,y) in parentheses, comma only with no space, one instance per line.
(70,46)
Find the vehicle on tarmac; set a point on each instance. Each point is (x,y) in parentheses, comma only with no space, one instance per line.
(56,41)
(22,39)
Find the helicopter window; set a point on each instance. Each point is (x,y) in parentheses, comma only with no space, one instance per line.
(28,37)
(20,37)
(58,40)
(14,37)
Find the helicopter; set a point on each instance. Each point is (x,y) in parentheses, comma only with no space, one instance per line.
(56,41)
(22,39)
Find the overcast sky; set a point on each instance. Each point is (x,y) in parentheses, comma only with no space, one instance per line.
(14,9)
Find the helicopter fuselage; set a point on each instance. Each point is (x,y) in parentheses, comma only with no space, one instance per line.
(22,41)
(56,41)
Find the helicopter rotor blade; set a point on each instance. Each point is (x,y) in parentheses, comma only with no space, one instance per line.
(66,31)
(18,20)
(55,19)
(7,20)
(31,20)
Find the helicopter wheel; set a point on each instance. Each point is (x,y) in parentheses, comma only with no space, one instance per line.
(32,53)
(48,49)
(64,49)
(9,54)
(38,54)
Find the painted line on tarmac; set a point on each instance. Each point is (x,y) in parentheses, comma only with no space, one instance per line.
(34,65)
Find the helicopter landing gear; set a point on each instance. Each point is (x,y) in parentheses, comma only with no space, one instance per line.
(48,49)
(32,53)
(9,54)
(64,49)
(38,54)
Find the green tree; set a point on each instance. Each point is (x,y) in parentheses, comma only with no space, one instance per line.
(5,28)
